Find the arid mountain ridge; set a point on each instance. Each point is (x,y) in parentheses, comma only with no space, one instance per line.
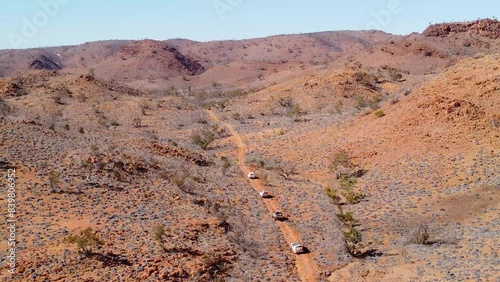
(150,64)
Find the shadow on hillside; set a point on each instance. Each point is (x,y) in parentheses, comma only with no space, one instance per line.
(111,260)
(369,253)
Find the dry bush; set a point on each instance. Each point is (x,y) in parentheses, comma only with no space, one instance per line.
(203,138)
(420,235)
(5,109)
(286,170)
(85,241)
(341,163)
(286,102)
(137,122)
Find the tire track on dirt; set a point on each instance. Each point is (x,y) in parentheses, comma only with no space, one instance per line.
(306,269)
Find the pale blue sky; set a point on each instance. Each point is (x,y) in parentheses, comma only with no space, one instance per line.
(26,23)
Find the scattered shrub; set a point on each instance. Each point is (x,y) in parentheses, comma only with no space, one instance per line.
(137,122)
(332,194)
(379,113)
(341,163)
(353,197)
(352,241)
(265,179)
(54,179)
(286,170)
(85,241)
(366,79)
(294,112)
(5,109)
(347,218)
(420,235)
(203,138)
(159,233)
(286,102)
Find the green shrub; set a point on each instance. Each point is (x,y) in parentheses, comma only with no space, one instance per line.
(352,241)
(341,163)
(352,197)
(332,194)
(379,113)
(347,218)
(85,241)
(347,183)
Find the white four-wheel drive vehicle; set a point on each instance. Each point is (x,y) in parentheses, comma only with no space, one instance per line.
(278,215)
(251,175)
(297,247)
(264,194)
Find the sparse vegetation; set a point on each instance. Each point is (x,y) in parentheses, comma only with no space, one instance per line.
(353,241)
(379,113)
(341,163)
(85,241)
(419,233)
(347,218)
(265,179)
(286,170)
(5,109)
(203,138)
(332,194)
(137,122)
(286,102)
(294,112)
(54,179)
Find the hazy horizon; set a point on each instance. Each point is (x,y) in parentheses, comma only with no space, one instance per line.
(47,23)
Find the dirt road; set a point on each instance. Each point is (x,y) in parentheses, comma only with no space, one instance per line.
(306,269)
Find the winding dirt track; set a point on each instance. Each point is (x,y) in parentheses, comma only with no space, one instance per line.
(306,269)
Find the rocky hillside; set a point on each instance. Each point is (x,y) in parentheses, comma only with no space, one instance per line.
(485,28)
(381,151)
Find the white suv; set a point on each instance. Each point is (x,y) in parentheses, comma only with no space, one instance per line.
(264,194)
(297,248)
(251,175)
(278,216)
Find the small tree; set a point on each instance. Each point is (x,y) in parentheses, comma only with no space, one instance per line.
(86,241)
(332,194)
(287,169)
(347,218)
(341,163)
(352,241)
